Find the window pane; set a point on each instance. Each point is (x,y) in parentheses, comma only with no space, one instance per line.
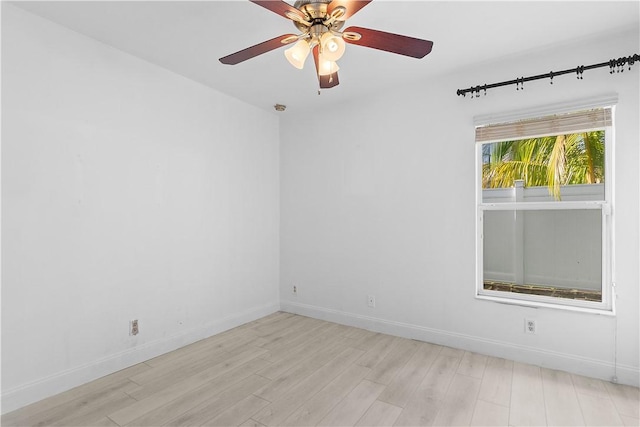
(561,167)
(499,246)
(544,252)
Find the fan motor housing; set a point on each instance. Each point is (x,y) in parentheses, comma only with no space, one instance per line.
(315,10)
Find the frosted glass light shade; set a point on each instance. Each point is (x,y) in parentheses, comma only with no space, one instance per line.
(332,47)
(327,67)
(297,54)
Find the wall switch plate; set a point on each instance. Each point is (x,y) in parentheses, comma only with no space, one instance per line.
(133,327)
(371,301)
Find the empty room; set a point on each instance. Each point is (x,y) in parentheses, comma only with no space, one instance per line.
(320,212)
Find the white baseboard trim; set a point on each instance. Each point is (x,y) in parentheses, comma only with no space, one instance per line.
(575,364)
(26,394)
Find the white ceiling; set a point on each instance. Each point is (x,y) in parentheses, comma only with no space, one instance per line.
(188,37)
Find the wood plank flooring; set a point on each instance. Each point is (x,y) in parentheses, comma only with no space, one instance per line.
(290,370)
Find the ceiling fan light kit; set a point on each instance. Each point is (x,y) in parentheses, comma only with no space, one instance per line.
(333,46)
(298,53)
(327,67)
(319,23)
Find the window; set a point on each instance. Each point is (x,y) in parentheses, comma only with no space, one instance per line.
(544,223)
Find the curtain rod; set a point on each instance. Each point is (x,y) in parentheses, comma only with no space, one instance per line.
(613,64)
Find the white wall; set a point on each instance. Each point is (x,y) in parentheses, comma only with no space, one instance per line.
(370,211)
(127,192)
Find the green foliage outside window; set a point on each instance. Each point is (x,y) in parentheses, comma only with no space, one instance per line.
(550,161)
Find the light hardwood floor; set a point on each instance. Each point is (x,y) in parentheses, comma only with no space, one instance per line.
(289,370)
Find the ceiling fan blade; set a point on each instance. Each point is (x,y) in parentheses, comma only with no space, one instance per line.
(259,49)
(328,81)
(394,43)
(281,8)
(351,6)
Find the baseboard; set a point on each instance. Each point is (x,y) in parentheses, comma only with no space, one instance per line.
(575,364)
(26,394)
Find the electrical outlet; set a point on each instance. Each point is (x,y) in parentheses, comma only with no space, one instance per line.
(371,301)
(295,291)
(529,326)
(133,327)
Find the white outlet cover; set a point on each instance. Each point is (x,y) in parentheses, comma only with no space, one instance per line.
(529,326)
(371,301)
(133,323)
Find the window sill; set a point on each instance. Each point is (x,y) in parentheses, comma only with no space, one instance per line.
(541,304)
(551,291)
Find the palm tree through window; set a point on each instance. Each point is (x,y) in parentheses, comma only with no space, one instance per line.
(552,161)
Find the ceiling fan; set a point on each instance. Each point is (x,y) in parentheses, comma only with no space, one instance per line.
(319,23)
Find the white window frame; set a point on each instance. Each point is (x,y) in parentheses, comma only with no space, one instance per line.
(607,305)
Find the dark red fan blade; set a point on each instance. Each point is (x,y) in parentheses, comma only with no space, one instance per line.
(352,7)
(326,82)
(259,49)
(394,43)
(278,7)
